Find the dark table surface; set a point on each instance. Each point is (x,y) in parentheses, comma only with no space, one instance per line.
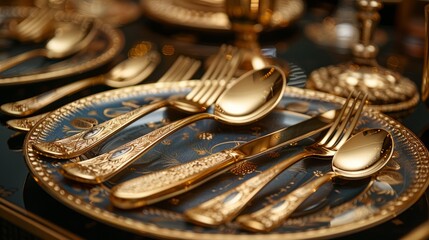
(20,194)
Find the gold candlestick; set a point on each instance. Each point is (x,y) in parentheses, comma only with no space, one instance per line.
(248,18)
(387,90)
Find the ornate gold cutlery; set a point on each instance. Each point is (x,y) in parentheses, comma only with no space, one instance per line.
(227,205)
(250,98)
(166,183)
(361,156)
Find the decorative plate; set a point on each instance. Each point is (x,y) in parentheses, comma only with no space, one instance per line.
(337,210)
(209,15)
(106,45)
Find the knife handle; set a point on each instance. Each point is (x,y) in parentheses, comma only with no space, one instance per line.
(271,216)
(160,185)
(226,206)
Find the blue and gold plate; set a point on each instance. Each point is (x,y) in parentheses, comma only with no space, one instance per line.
(337,209)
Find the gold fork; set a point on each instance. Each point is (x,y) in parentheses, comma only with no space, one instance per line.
(222,68)
(36,27)
(226,206)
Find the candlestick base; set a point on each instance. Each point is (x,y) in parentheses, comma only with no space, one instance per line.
(387,91)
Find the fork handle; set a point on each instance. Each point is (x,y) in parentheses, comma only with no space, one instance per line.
(226,206)
(83,141)
(20,58)
(271,216)
(30,105)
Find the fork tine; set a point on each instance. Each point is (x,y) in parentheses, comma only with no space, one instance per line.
(217,62)
(211,97)
(29,21)
(224,68)
(354,122)
(208,73)
(31,27)
(339,130)
(337,121)
(41,20)
(340,134)
(191,70)
(172,69)
(182,68)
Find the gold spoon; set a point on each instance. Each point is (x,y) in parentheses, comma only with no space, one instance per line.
(126,73)
(69,39)
(250,98)
(361,156)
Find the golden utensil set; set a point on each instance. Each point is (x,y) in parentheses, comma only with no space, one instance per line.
(219,96)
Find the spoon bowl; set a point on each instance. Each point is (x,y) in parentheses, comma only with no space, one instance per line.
(362,156)
(250,100)
(133,70)
(65,40)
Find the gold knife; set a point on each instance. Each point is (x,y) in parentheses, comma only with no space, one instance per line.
(163,184)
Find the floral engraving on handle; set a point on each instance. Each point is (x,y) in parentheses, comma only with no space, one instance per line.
(175,174)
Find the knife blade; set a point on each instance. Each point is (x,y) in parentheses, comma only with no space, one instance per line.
(169,182)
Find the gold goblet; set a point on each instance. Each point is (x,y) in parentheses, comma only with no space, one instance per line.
(387,90)
(248,18)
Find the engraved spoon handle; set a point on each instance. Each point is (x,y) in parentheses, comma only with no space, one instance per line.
(159,185)
(226,206)
(82,142)
(20,58)
(271,216)
(105,166)
(30,105)
(24,124)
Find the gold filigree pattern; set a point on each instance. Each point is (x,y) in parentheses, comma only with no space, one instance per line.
(226,205)
(180,174)
(243,168)
(205,136)
(84,123)
(24,124)
(102,167)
